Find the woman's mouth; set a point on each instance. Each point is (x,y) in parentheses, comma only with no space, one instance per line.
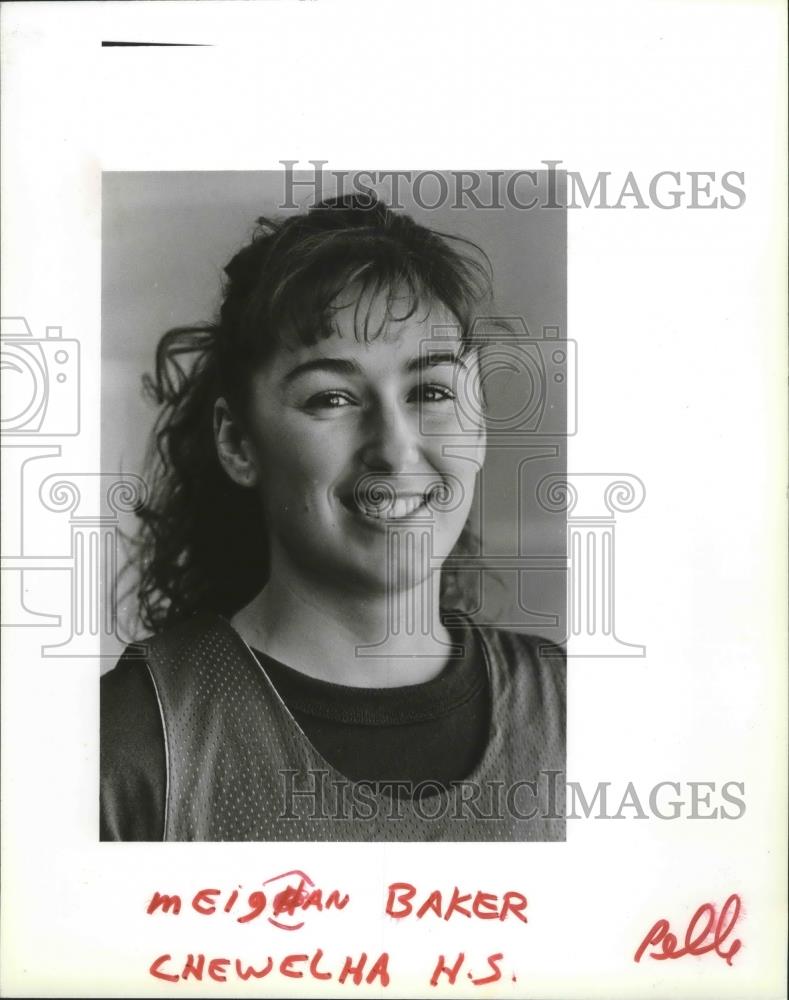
(378,501)
(392,508)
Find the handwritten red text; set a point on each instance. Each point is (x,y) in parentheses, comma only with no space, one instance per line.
(706,932)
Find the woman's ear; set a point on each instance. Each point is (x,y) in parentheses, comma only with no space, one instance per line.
(233,446)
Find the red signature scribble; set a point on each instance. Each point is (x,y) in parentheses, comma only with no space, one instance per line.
(291,898)
(707,931)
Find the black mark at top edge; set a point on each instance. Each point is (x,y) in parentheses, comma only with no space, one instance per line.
(169,45)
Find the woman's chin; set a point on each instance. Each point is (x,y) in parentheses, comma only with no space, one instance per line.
(374,578)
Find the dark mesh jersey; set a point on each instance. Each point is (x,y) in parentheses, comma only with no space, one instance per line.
(239,767)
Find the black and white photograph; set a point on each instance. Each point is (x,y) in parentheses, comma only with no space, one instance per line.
(394,499)
(331,455)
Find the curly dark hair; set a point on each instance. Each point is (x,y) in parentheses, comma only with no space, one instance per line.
(201,544)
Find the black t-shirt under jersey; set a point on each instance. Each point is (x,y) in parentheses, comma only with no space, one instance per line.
(420,734)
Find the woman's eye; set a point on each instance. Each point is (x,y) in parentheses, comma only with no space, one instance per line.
(331,400)
(432,393)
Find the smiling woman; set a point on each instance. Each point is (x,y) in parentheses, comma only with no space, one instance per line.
(310,475)
(344,441)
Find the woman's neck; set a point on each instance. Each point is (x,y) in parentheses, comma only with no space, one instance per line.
(382,640)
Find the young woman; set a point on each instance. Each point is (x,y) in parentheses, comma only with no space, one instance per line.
(311,674)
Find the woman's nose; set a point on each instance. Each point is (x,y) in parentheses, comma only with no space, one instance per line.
(392,441)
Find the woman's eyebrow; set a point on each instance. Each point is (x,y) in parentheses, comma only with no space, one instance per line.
(336,366)
(347,366)
(432,358)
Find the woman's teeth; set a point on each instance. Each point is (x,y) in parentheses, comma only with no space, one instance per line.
(394,509)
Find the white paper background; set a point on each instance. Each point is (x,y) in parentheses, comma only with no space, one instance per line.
(681,318)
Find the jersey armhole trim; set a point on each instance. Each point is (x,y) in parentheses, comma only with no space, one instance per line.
(166,754)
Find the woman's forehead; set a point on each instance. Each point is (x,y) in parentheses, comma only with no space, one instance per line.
(354,333)
(413,348)
(394,321)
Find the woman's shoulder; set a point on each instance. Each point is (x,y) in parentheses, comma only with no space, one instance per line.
(526,657)
(517,646)
(133,769)
(127,678)
(174,642)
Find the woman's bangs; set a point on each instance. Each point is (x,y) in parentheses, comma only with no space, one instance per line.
(377,297)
